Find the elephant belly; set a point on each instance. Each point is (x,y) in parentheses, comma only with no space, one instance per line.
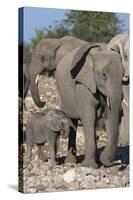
(67,93)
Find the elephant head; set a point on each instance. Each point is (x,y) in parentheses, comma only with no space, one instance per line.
(120,44)
(45,58)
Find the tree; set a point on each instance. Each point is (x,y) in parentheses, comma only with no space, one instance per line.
(87,25)
(93,26)
(51,32)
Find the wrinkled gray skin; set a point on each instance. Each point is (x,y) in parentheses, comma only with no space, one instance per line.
(120,44)
(88,78)
(46,56)
(46,127)
(124,125)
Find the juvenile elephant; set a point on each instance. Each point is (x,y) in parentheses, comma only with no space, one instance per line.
(46,127)
(91,78)
(120,44)
(46,56)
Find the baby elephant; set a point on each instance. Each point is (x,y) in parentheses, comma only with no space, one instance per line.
(45,127)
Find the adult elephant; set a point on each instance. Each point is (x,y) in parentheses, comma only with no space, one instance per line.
(124,125)
(91,78)
(120,44)
(46,56)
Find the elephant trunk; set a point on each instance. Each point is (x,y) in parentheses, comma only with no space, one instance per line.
(34,91)
(112,123)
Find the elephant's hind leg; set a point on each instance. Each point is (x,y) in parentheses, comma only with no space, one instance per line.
(71,156)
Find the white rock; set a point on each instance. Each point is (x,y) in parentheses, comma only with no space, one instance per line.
(85,170)
(69,176)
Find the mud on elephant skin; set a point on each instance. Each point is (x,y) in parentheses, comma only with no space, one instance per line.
(45,127)
(88,74)
(45,58)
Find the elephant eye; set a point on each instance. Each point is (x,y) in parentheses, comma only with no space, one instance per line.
(42,59)
(104,76)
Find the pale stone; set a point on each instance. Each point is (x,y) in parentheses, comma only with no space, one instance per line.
(69,176)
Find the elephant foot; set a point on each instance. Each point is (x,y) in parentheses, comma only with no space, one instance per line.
(106,160)
(52,164)
(42,158)
(89,163)
(42,104)
(70,158)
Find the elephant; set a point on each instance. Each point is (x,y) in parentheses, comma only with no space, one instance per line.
(120,43)
(45,127)
(45,58)
(89,79)
(124,124)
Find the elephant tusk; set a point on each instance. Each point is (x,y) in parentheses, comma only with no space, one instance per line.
(37,79)
(108,103)
(124,101)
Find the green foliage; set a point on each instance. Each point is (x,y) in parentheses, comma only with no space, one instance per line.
(87,25)
(57,31)
(93,26)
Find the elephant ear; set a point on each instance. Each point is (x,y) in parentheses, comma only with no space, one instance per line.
(53,125)
(53,121)
(83,67)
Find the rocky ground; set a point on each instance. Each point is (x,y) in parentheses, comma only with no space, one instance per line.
(37,176)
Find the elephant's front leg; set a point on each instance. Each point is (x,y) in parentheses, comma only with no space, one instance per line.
(41,155)
(52,144)
(87,110)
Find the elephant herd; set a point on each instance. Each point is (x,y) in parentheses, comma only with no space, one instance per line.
(91,78)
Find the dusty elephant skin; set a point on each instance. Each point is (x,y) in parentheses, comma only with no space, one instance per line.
(88,74)
(120,44)
(45,127)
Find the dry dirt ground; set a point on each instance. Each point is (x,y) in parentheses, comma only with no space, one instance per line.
(37,176)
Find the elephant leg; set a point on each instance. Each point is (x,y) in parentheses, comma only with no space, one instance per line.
(71,156)
(41,155)
(107,157)
(52,142)
(86,106)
